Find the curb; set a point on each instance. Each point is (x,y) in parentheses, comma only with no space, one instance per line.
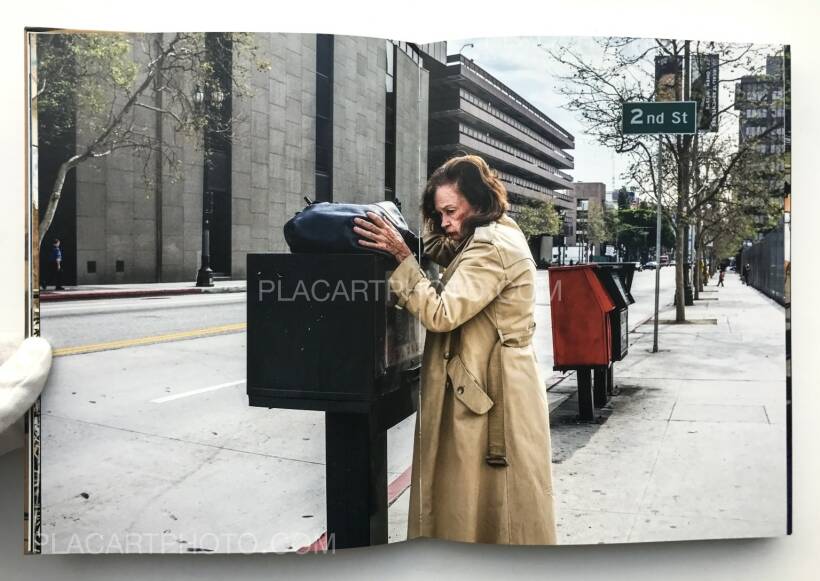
(394,489)
(558,376)
(56,296)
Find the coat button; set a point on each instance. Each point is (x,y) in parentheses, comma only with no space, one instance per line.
(447,355)
(460,389)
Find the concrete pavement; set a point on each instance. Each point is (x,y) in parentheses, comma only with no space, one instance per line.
(693,444)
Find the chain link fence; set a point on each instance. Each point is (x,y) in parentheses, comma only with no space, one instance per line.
(767,261)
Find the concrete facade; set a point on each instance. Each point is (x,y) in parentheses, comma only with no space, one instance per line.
(133,213)
(471,111)
(586,192)
(358,119)
(761,103)
(413,89)
(272,158)
(149,221)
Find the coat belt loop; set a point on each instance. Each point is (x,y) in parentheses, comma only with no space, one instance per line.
(496,443)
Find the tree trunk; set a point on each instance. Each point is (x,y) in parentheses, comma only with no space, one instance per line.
(680,230)
(701,255)
(56,193)
(680,308)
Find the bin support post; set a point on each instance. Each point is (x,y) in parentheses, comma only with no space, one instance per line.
(600,386)
(356,453)
(610,379)
(586,406)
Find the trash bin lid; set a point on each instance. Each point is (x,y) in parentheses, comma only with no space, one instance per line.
(625,271)
(614,287)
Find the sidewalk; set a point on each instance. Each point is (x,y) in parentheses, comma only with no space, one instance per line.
(116,291)
(693,444)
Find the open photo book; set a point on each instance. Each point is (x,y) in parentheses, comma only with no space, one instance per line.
(307,292)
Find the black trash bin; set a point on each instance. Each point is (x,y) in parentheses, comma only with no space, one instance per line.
(617,280)
(324,335)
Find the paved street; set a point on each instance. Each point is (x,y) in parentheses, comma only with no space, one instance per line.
(156,439)
(74,323)
(164,429)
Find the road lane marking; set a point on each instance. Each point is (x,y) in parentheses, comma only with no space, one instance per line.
(166,338)
(168,398)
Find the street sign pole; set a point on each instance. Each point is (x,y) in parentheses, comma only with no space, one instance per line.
(659,118)
(658,244)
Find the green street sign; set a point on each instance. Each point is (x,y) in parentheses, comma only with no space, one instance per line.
(663,117)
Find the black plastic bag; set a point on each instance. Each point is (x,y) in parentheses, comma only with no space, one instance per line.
(327,227)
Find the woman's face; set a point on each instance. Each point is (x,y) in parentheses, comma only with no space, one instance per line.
(453,208)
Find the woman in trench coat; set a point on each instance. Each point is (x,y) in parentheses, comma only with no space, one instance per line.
(482,457)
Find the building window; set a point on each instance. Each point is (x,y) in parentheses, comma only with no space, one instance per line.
(324,118)
(390,122)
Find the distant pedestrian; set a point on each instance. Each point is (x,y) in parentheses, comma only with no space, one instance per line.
(721,276)
(54,270)
(747,271)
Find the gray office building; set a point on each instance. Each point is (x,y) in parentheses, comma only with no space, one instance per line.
(471,111)
(760,100)
(586,193)
(334,118)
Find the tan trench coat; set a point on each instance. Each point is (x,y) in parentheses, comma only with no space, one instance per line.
(488,292)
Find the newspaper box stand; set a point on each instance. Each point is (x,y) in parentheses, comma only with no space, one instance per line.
(323,335)
(616,278)
(581,328)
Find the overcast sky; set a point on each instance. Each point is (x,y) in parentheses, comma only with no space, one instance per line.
(532,73)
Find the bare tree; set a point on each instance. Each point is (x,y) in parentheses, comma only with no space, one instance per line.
(96,83)
(596,90)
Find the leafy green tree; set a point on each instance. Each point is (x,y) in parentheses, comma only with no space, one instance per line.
(623,198)
(539,220)
(637,231)
(597,230)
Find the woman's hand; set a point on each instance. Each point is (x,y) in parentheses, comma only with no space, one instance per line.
(382,235)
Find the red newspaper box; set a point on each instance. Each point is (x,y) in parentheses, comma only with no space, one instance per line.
(579,305)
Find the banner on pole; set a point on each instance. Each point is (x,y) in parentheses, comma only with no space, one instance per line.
(668,78)
(705,90)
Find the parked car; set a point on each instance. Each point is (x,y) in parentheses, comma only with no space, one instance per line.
(651,265)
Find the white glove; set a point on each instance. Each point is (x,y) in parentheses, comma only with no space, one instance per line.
(22,377)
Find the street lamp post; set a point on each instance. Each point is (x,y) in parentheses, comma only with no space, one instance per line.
(212,100)
(205,276)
